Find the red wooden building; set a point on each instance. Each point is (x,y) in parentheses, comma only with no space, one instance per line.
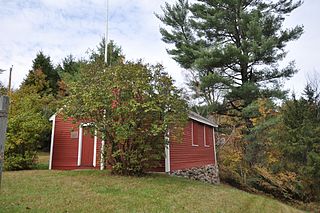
(72,148)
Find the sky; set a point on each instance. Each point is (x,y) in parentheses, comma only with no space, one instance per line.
(63,27)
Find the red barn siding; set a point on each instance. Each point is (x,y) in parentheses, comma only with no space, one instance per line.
(182,155)
(65,148)
(185,155)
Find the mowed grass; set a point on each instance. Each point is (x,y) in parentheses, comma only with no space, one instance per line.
(43,160)
(98,191)
(43,157)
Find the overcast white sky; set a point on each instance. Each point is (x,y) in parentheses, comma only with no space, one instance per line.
(62,27)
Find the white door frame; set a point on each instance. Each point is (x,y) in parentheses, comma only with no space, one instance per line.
(167,153)
(80,145)
(53,119)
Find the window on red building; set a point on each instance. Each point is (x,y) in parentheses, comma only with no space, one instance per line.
(208,136)
(194,134)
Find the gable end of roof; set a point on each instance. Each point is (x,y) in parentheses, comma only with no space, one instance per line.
(201,119)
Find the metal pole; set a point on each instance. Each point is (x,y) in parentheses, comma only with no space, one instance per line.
(9,87)
(106,40)
(4,108)
(107,34)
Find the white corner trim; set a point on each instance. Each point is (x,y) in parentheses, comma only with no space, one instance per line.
(80,145)
(167,154)
(95,148)
(102,155)
(167,158)
(53,119)
(215,148)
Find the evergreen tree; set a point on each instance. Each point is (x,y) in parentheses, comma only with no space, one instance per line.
(115,55)
(299,141)
(232,49)
(231,46)
(43,80)
(43,75)
(69,69)
(69,65)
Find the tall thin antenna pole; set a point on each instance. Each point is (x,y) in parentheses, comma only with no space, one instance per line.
(9,87)
(107,34)
(106,40)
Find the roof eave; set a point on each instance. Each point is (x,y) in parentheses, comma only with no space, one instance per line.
(203,121)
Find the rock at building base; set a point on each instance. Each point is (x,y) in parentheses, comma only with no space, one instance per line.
(208,174)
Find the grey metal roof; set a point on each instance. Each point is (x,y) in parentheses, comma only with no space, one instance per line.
(199,118)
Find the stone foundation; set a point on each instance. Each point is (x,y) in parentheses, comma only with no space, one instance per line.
(209,174)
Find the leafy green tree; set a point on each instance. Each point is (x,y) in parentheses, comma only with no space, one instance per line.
(131,106)
(232,47)
(43,76)
(26,127)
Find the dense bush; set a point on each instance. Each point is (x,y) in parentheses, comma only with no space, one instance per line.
(26,125)
(281,153)
(132,106)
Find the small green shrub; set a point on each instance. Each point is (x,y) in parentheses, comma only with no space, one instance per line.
(26,160)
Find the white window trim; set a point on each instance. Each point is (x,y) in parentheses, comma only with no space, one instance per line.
(53,119)
(195,145)
(205,136)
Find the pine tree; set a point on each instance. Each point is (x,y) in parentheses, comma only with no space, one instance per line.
(232,47)
(69,65)
(70,68)
(43,75)
(299,140)
(115,55)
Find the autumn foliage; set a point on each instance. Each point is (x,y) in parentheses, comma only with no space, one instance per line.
(132,106)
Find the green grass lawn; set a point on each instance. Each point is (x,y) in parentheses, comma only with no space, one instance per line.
(98,191)
(43,157)
(43,161)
